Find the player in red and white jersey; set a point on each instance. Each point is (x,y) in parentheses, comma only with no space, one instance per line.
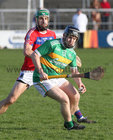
(33,39)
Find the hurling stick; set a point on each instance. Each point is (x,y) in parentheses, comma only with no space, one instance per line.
(95,74)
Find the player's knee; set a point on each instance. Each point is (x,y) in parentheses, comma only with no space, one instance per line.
(77,97)
(65,100)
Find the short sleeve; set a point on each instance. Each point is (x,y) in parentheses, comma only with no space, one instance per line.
(30,37)
(44,49)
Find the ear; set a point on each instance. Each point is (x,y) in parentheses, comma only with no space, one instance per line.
(64,35)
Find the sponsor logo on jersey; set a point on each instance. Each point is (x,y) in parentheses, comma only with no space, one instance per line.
(55,42)
(58,49)
(64,53)
(41,40)
(58,63)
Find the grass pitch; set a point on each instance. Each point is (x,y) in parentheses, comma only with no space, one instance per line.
(33,117)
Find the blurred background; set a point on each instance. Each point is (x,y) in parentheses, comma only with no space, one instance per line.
(18,17)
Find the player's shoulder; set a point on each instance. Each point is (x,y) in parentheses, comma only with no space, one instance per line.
(72,51)
(55,42)
(50,31)
(31,31)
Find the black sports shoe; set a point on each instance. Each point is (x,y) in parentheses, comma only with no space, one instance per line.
(85,120)
(76,126)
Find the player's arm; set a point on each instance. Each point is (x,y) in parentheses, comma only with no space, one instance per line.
(74,70)
(30,38)
(36,60)
(44,49)
(78,80)
(28,50)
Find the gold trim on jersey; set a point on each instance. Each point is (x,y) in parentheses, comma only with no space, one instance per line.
(60,58)
(46,63)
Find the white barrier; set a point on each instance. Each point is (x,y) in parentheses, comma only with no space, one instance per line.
(12,39)
(15,39)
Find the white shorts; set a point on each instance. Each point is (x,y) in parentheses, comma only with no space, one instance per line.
(46,85)
(26,77)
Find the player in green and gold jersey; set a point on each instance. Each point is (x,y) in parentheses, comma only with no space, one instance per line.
(51,59)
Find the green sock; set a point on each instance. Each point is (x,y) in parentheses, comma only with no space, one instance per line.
(69,124)
(72,116)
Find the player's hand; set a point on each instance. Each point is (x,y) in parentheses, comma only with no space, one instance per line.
(43,76)
(82,88)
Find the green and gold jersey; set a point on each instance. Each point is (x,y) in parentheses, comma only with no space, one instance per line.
(54,58)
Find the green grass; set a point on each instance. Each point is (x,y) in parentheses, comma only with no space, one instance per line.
(33,117)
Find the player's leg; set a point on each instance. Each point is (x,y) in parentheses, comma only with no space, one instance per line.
(73,95)
(62,98)
(49,88)
(16,91)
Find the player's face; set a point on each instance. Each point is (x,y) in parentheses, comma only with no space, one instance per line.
(43,21)
(70,41)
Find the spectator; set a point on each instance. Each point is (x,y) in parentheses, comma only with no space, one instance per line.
(105,15)
(80,21)
(96,16)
